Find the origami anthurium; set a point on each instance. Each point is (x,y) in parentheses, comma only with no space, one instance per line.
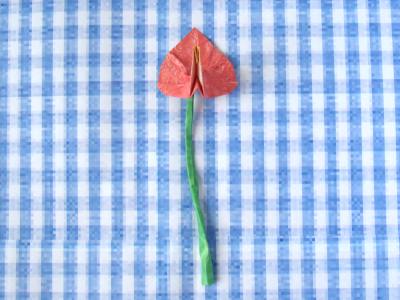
(195,64)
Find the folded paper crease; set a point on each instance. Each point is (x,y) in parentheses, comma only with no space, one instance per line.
(195,64)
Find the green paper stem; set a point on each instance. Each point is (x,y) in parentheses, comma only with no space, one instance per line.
(207,274)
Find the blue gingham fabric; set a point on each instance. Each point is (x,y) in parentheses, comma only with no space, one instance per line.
(299,166)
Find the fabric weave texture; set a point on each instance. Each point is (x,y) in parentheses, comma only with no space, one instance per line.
(298,167)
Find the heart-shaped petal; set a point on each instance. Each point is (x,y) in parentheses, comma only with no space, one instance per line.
(195,64)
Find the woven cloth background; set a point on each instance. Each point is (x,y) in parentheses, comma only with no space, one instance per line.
(299,166)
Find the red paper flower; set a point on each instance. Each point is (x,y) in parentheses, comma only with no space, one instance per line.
(195,64)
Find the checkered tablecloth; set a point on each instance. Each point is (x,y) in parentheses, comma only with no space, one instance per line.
(299,167)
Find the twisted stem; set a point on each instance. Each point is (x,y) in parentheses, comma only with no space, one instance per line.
(207,273)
